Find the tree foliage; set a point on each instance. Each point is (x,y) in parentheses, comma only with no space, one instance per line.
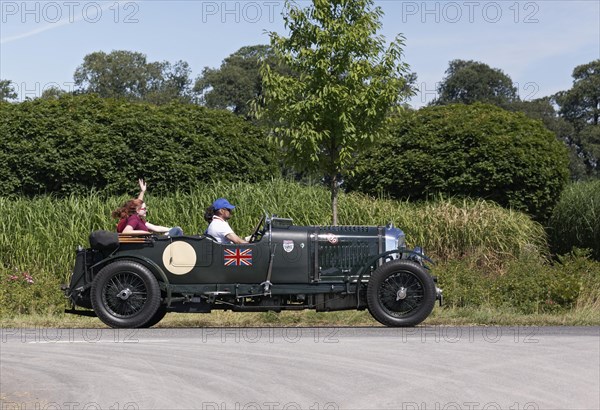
(580,107)
(127,74)
(73,144)
(7,91)
(470,81)
(581,104)
(344,84)
(237,82)
(473,150)
(53,93)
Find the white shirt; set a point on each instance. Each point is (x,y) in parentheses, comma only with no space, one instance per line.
(219,229)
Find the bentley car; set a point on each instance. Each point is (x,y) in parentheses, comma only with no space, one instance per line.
(131,281)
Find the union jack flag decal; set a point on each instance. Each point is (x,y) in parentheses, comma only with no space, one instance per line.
(237,257)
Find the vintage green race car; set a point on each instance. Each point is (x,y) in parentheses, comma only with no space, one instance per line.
(133,281)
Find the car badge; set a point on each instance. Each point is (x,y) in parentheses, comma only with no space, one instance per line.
(288,246)
(332,239)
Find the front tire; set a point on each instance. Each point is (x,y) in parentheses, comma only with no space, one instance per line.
(401,293)
(125,294)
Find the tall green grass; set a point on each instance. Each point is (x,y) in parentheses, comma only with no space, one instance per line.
(575,220)
(38,236)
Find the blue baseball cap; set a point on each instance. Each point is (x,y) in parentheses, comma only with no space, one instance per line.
(222,203)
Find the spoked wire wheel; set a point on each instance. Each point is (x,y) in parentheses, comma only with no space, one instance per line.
(125,294)
(400,293)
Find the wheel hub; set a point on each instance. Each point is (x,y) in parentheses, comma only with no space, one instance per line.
(401,294)
(124,294)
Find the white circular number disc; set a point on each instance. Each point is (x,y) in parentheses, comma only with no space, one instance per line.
(179,258)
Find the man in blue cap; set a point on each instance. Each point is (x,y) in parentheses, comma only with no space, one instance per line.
(219,227)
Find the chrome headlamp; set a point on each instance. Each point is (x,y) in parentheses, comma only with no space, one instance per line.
(394,239)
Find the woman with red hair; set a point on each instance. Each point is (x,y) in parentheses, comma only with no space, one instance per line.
(132,217)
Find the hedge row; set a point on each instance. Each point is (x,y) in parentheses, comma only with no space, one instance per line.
(75,144)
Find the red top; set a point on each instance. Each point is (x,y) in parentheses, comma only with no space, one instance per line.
(135,221)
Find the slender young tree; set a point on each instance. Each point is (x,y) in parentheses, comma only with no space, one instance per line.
(344,84)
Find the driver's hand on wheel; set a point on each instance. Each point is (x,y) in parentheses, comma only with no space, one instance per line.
(247,238)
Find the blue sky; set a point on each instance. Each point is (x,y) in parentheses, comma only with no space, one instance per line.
(537,43)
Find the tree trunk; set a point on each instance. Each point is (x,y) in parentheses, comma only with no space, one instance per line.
(334,198)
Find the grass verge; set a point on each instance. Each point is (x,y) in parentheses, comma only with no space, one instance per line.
(440,317)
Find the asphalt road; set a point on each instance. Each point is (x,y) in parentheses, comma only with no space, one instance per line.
(437,368)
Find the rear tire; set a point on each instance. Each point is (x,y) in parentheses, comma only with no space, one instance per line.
(125,294)
(401,293)
(158,316)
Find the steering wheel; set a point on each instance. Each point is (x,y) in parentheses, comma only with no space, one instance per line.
(257,233)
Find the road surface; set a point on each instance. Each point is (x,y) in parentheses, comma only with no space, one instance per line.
(424,368)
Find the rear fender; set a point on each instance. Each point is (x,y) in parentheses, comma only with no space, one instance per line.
(80,280)
(79,277)
(85,259)
(158,273)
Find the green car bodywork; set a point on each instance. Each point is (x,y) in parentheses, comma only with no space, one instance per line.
(134,281)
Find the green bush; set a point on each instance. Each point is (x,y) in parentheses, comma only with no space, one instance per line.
(575,221)
(528,285)
(77,143)
(467,151)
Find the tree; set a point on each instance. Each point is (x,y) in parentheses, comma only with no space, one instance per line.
(236,82)
(589,139)
(468,82)
(7,91)
(127,74)
(476,150)
(344,85)
(581,104)
(53,93)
